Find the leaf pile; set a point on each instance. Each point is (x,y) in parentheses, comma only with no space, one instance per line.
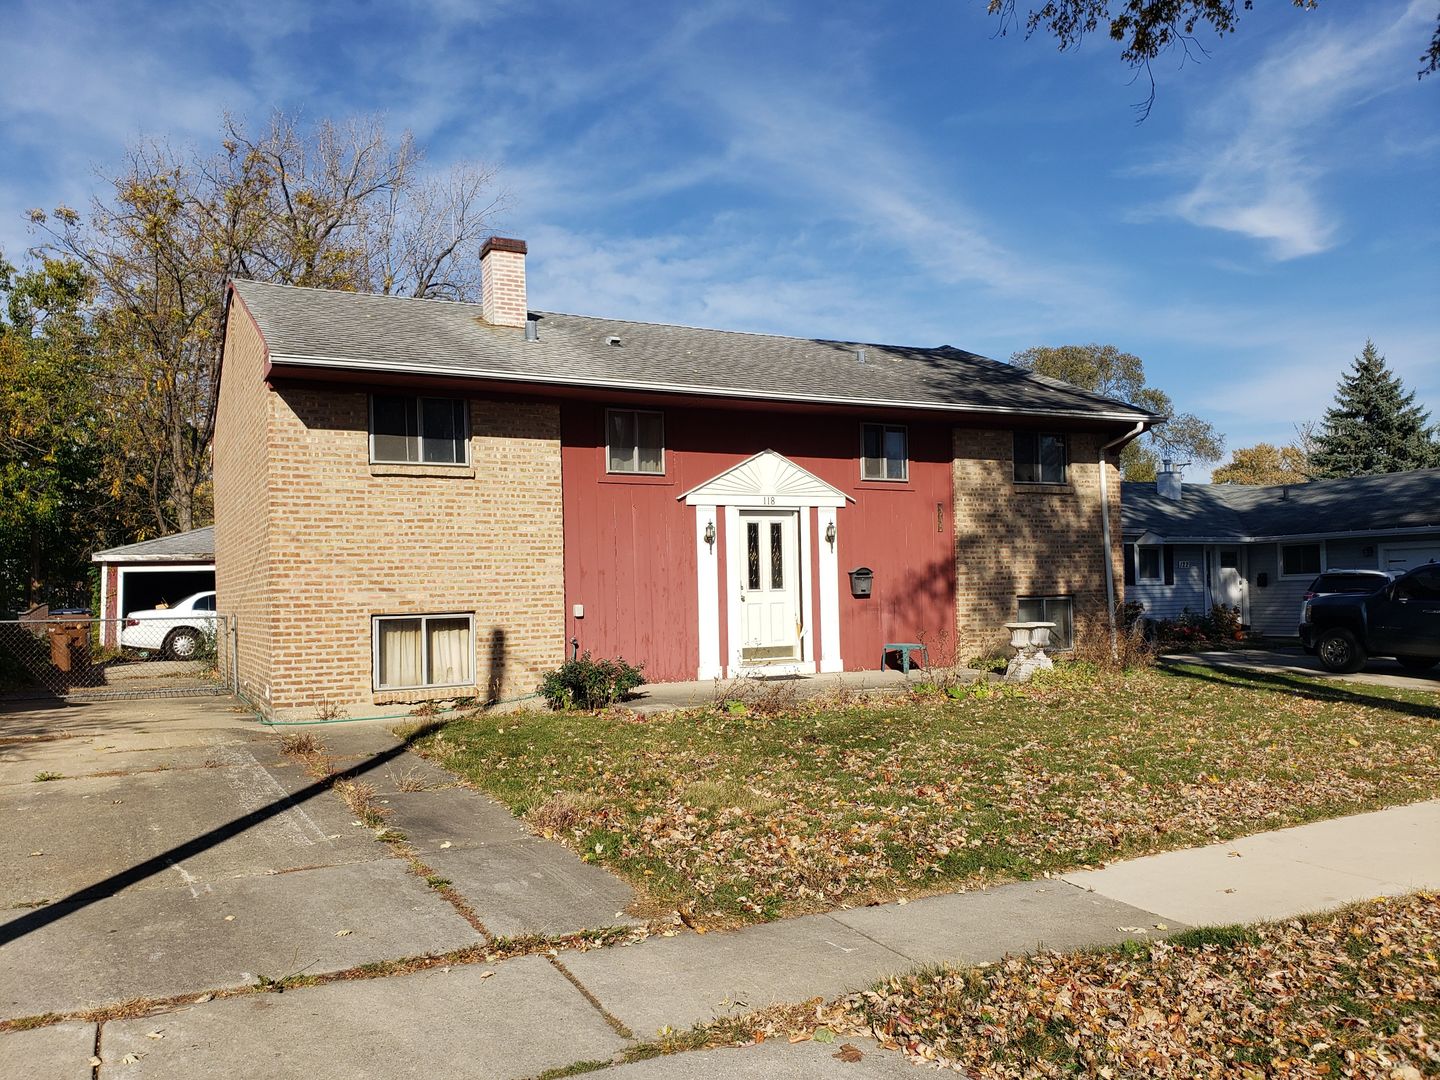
(736,818)
(1352,994)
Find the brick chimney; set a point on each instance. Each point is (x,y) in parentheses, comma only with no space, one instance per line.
(502,282)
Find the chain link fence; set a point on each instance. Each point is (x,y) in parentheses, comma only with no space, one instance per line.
(77,658)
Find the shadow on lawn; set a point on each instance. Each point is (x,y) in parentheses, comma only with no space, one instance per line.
(1301,686)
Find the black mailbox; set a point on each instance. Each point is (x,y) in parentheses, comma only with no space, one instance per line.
(861,578)
(1262,579)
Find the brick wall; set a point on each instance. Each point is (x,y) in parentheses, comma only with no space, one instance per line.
(242,511)
(350,540)
(1016,540)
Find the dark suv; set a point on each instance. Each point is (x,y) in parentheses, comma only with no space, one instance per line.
(1401,619)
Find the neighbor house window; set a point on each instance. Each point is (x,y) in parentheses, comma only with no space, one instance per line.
(1152,565)
(635,441)
(414,651)
(884,452)
(1300,560)
(417,429)
(1039,457)
(1056,609)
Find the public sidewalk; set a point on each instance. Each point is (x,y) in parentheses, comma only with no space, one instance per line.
(519,1018)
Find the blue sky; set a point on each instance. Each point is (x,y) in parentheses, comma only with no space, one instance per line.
(869,171)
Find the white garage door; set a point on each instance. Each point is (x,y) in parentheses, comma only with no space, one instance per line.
(1398,557)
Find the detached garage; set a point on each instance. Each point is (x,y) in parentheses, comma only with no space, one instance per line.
(152,573)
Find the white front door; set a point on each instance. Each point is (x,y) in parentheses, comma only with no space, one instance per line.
(769,587)
(1231,584)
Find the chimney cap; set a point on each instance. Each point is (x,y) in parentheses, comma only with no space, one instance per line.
(502,243)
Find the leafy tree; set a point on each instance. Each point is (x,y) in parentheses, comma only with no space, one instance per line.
(1146,28)
(52,432)
(1375,426)
(1106,370)
(326,206)
(1263,464)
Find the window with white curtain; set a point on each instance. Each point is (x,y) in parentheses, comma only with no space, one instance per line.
(634,441)
(414,651)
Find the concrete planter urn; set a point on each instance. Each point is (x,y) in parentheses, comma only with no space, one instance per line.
(1028,639)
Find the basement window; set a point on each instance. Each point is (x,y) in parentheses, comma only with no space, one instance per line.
(419,651)
(1040,457)
(635,442)
(884,452)
(1056,609)
(418,429)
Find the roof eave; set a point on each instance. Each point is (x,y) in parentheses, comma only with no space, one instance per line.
(279,360)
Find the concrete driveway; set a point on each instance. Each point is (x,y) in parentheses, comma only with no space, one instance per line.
(1377,672)
(155,848)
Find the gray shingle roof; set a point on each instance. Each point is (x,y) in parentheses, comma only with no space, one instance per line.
(197,545)
(1403,500)
(321,328)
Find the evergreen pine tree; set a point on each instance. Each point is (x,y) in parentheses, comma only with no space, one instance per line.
(1374,425)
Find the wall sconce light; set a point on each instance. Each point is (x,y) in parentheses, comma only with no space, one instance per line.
(830,535)
(710,534)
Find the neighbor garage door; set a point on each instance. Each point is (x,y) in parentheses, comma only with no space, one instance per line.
(1403,556)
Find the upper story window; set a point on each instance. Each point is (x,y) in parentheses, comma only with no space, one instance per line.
(634,441)
(1040,457)
(418,429)
(884,452)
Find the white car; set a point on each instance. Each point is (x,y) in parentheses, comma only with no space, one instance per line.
(176,632)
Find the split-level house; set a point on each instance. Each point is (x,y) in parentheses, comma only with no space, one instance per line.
(419,499)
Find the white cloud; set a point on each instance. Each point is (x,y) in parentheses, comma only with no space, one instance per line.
(1257,156)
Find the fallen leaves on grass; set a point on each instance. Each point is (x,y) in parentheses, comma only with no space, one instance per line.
(738,818)
(1353,994)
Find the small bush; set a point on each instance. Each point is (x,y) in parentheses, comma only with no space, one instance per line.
(585,683)
(1218,630)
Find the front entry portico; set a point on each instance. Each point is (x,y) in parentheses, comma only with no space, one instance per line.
(768,514)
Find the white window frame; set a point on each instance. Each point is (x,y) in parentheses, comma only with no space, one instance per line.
(637,471)
(419,417)
(904,430)
(1307,575)
(1048,601)
(1064,438)
(1141,578)
(425,617)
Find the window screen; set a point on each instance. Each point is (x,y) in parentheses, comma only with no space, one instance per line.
(416,429)
(1040,457)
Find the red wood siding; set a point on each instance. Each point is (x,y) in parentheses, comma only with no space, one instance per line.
(630,542)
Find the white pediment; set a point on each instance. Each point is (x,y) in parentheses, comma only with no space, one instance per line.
(766,479)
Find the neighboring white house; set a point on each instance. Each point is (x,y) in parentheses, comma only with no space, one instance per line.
(1191,546)
(140,576)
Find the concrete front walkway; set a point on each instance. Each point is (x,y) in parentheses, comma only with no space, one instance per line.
(667,697)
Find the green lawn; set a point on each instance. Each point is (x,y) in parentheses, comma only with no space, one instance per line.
(740,817)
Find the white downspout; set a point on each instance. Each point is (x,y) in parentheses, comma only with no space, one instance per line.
(1114,444)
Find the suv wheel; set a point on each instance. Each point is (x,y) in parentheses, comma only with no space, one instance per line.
(1339,651)
(1417,665)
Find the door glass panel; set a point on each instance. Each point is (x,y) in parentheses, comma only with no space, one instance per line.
(1229,560)
(752,550)
(777,557)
